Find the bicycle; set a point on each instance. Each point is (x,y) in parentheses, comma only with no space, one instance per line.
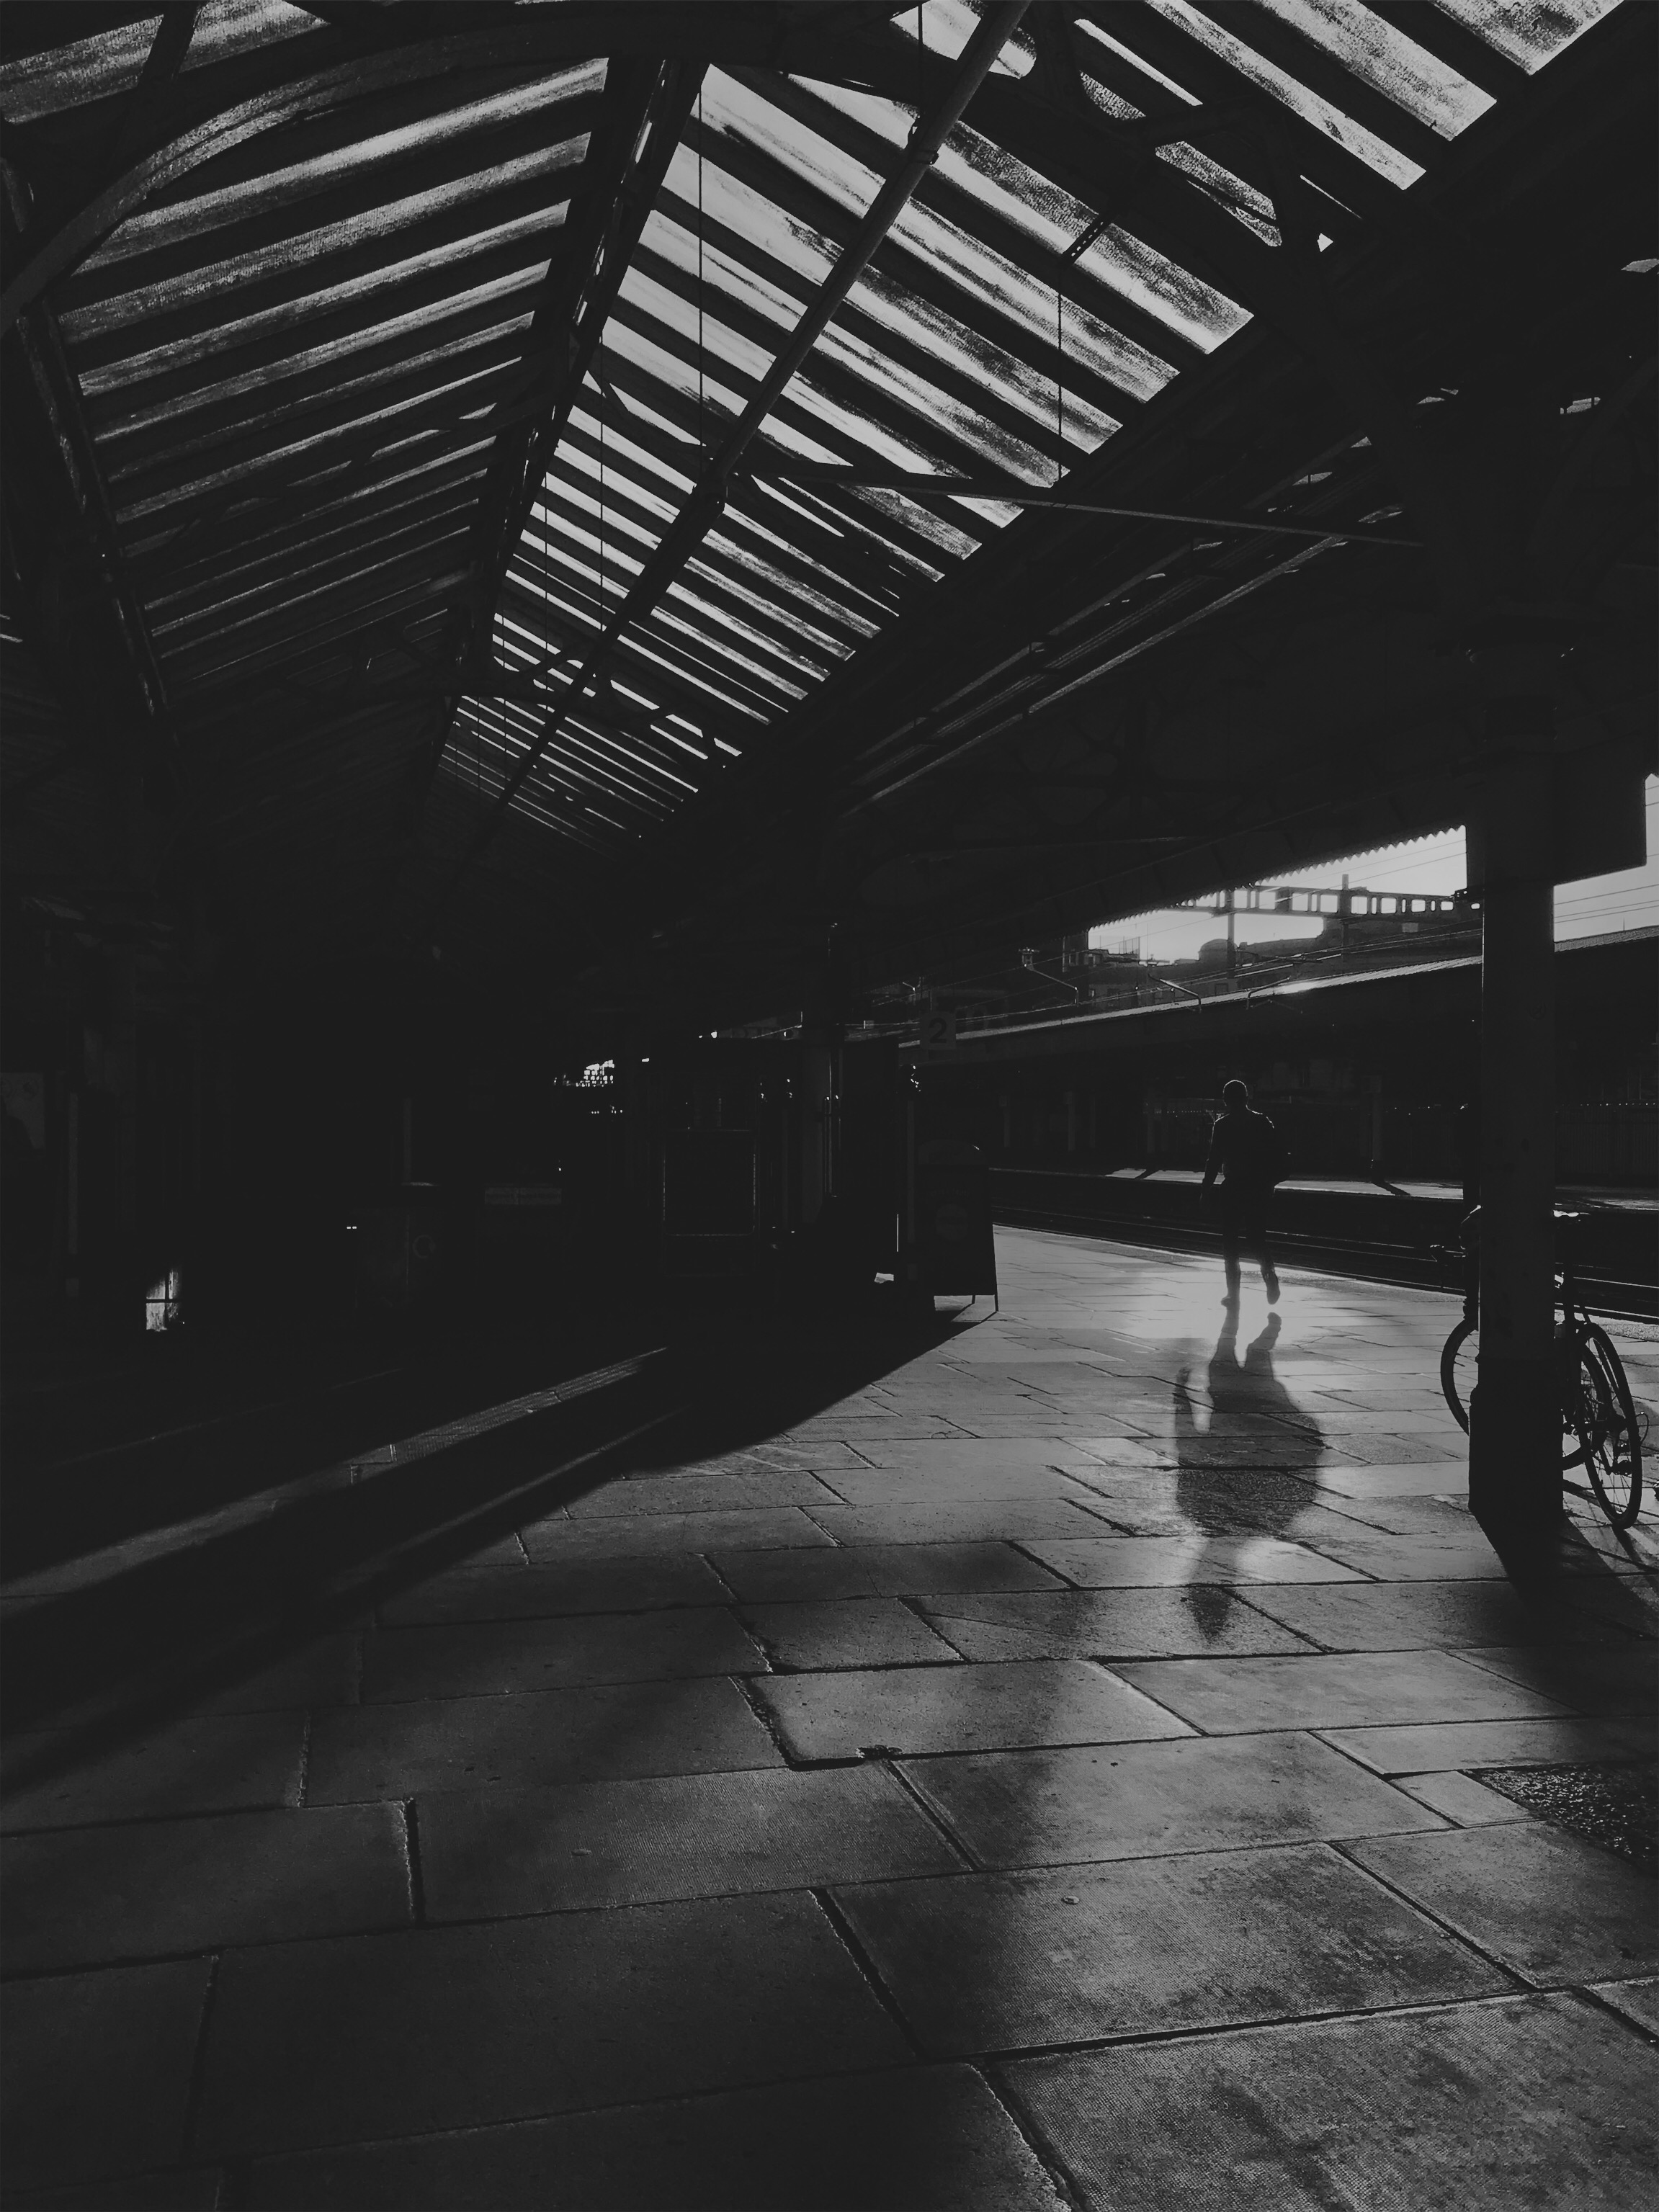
(1600,1430)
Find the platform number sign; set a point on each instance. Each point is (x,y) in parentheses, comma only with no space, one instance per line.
(939,1031)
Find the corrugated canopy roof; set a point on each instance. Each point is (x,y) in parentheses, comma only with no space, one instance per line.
(409,345)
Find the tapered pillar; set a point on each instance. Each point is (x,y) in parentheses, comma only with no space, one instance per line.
(1515,1428)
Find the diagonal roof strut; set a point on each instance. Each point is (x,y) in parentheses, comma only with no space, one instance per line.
(699,511)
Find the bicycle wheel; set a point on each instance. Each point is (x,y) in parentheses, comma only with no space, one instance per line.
(1609,1434)
(1457,1369)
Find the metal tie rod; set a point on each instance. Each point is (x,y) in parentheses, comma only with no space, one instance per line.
(1015,494)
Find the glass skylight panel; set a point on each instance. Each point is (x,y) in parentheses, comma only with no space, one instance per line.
(669,369)
(1241,201)
(268,384)
(530,234)
(119,378)
(1388,60)
(1105,38)
(175,220)
(728,627)
(585,461)
(615,523)
(1052,220)
(111,61)
(947,26)
(938,409)
(1202,315)
(727,200)
(380,221)
(637,457)
(926,522)
(719,275)
(716,342)
(810,634)
(791,589)
(860,533)
(934,332)
(1527,31)
(694,679)
(1354,137)
(732,107)
(313,446)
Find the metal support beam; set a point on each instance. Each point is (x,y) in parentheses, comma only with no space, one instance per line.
(708,496)
(1515,1420)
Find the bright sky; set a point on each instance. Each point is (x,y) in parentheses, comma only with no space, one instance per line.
(1629,900)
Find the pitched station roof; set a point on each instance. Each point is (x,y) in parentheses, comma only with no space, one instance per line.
(515,436)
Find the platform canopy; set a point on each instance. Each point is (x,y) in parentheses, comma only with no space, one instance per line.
(714,505)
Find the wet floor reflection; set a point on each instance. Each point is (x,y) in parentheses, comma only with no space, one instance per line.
(1243,1461)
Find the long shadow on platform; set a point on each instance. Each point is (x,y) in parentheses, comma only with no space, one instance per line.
(1246,1475)
(157,1627)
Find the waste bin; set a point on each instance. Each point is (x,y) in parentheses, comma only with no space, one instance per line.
(955,1246)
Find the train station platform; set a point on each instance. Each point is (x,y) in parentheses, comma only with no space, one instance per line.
(1399,1229)
(1079,1754)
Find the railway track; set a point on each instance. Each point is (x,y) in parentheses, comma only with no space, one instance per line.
(1371,1260)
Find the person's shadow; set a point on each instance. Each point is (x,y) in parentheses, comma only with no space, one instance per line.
(1246,1473)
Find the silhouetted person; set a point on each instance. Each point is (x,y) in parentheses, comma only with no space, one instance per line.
(1244,1152)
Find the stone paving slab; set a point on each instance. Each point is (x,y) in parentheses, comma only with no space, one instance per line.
(765,1453)
(1411,1616)
(999,1962)
(494,1658)
(764,1530)
(1151,1562)
(1332,1691)
(1447,1456)
(1463,1801)
(1443,1519)
(96,2073)
(1230,1501)
(1010,1809)
(624,1585)
(1477,2108)
(1127,1623)
(887,1485)
(1603,1680)
(1638,2001)
(1466,1557)
(1545,1903)
(920,2139)
(160,1887)
(735,1492)
(879,1570)
(1020,1520)
(855,1433)
(1032,1452)
(596,1844)
(1443,1746)
(540,1736)
(1417,1479)
(916,1710)
(237,1763)
(322,1672)
(369,2036)
(1131,1450)
(845,1632)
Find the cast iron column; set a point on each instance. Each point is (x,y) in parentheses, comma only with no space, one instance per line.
(1514,1427)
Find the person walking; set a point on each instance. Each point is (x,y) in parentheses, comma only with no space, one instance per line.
(1245,1152)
